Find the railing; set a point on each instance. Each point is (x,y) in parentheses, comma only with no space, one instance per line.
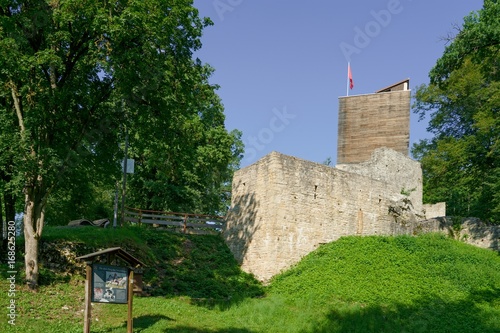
(182,222)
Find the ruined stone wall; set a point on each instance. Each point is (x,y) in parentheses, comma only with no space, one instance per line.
(403,174)
(284,207)
(468,230)
(435,210)
(371,121)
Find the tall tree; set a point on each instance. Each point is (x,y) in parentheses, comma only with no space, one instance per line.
(198,179)
(75,73)
(461,163)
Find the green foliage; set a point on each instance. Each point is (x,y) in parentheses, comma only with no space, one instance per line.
(76,77)
(196,180)
(87,73)
(461,163)
(478,38)
(86,200)
(407,192)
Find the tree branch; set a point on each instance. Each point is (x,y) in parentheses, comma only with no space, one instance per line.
(77,51)
(18,107)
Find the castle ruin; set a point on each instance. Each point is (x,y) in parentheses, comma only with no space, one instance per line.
(284,207)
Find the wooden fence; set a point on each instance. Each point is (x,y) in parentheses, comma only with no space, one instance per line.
(182,222)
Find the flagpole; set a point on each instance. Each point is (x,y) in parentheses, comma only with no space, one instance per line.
(347,90)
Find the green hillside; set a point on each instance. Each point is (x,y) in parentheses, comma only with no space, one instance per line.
(356,284)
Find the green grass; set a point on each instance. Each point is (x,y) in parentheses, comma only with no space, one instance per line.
(372,284)
(397,284)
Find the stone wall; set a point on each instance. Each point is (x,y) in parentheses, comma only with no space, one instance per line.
(435,210)
(283,207)
(469,230)
(401,173)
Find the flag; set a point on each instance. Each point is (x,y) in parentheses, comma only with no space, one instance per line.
(349,75)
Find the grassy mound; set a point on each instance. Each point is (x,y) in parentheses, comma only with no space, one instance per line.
(198,266)
(397,284)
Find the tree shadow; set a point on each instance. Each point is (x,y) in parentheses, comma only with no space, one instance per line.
(484,231)
(225,285)
(139,323)
(186,329)
(470,230)
(432,314)
(201,267)
(207,273)
(241,220)
(143,322)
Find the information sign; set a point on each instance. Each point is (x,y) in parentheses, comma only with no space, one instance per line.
(109,284)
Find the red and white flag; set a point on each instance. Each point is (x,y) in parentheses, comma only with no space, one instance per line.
(349,76)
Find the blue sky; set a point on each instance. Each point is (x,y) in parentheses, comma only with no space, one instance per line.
(281,65)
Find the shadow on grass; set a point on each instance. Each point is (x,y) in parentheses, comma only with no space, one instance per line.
(202,269)
(142,323)
(185,329)
(435,315)
(205,268)
(194,330)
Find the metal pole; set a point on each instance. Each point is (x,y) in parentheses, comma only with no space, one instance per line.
(122,222)
(347,90)
(115,213)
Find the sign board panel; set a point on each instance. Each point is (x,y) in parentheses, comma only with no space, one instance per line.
(130,165)
(109,284)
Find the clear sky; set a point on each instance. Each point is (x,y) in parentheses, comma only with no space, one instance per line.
(282,64)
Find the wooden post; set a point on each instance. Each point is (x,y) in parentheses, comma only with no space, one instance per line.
(130,319)
(88,296)
(185,223)
(138,281)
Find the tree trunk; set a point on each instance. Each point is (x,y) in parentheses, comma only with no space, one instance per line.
(33,224)
(34,203)
(2,230)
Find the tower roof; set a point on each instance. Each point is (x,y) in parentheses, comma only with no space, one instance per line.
(401,85)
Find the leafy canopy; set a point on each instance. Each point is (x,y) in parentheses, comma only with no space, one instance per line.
(76,76)
(84,71)
(461,163)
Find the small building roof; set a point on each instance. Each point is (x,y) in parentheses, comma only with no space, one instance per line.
(396,86)
(118,251)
